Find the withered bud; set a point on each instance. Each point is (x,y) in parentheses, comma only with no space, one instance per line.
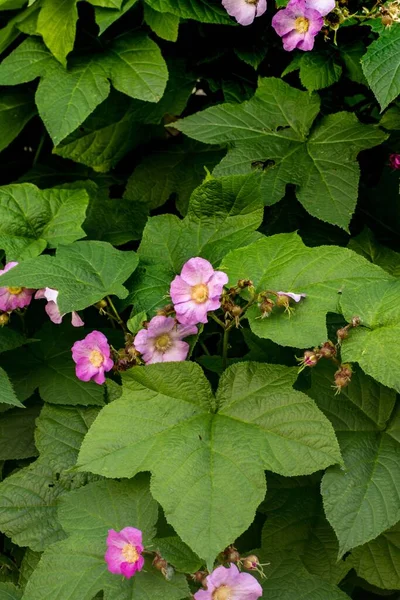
(244,283)
(236,311)
(342,377)
(232,292)
(283,300)
(387,20)
(355,321)
(166,310)
(199,577)
(132,352)
(328,350)
(102,304)
(231,555)
(4,319)
(227,305)
(310,358)
(342,333)
(159,562)
(266,307)
(251,562)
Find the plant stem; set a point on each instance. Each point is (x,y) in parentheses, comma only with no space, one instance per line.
(116,313)
(39,148)
(225,348)
(202,344)
(215,318)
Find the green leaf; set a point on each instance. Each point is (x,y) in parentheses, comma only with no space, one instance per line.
(275,126)
(107,3)
(83,273)
(136,322)
(32,219)
(283,263)
(351,55)
(16,110)
(10,339)
(15,25)
(75,568)
(8,395)
(16,433)
(318,70)
(65,98)
(8,591)
(379,561)
(57,25)
(374,345)
(206,11)
(296,523)
(48,365)
(208,455)
(174,169)
(28,565)
(165,25)
(105,17)
(391,118)
(366,245)
(381,65)
(114,220)
(178,554)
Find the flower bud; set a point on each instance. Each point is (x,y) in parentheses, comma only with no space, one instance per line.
(355,321)
(200,577)
(328,350)
(159,562)
(236,311)
(282,300)
(342,377)
(232,292)
(102,304)
(166,310)
(244,283)
(251,562)
(387,20)
(394,161)
(230,555)
(342,334)
(310,358)
(266,307)
(4,319)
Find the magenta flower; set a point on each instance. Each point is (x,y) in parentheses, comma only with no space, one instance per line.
(52,309)
(230,584)
(162,340)
(123,556)
(297,25)
(295,297)
(394,161)
(196,291)
(92,357)
(14,297)
(245,11)
(322,6)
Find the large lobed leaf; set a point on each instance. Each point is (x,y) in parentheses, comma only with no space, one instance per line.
(381,65)
(277,125)
(166,423)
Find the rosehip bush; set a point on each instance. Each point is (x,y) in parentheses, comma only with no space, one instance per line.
(199,299)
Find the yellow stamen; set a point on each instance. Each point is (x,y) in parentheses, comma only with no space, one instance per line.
(130,554)
(163,342)
(223,592)
(96,358)
(301,24)
(15,291)
(199,293)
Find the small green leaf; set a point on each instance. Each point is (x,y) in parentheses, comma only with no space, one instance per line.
(8,395)
(10,339)
(136,322)
(57,25)
(105,17)
(16,110)
(318,70)
(83,273)
(206,11)
(178,554)
(379,561)
(351,55)
(381,65)
(165,25)
(8,591)
(366,245)
(16,433)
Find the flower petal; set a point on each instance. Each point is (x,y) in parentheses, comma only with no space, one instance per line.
(159,325)
(243,12)
(177,352)
(53,312)
(190,313)
(180,291)
(197,270)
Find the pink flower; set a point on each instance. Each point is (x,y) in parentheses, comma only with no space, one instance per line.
(123,556)
(295,297)
(245,11)
(230,584)
(394,161)
(322,6)
(14,297)
(298,25)
(52,307)
(162,340)
(196,291)
(92,357)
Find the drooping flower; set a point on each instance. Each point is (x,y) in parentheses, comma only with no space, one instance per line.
(230,584)
(196,291)
(245,11)
(52,309)
(394,161)
(295,297)
(92,357)
(297,25)
(124,551)
(14,297)
(162,340)
(322,6)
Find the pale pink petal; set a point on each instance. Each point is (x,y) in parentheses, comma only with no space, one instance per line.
(181,331)
(114,538)
(113,559)
(180,291)
(283,22)
(261,7)
(322,6)
(40,294)
(243,12)
(51,309)
(99,377)
(8,266)
(84,370)
(51,295)
(212,304)
(80,350)
(190,313)
(216,284)
(107,364)
(177,352)
(197,270)
(76,320)
(246,588)
(223,576)
(141,341)
(295,297)
(132,536)
(150,358)
(202,595)
(159,325)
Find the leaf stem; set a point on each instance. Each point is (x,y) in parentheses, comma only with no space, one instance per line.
(217,320)
(225,348)
(39,148)
(116,313)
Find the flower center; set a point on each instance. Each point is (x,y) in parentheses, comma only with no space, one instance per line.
(163,342)
(130,554)
(15,291)
(223,592)
(301,24)
(96,358)
(252,1)
(199,293)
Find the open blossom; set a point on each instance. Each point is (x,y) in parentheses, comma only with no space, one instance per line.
(230,584)
(14,297)
(297,25)
(196,291)
(162,340)
(124,551)
(245,11)
(92,357)
(322,6)
(394,161)
(52,309)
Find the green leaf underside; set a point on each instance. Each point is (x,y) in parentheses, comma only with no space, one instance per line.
(32,219)
(165,25)
(206,11)
(65,98)
(356,497)
(75,568)
(275,126)
(283,263)
(374,345)
(57,25)
(16,110)
(381,65)
(198,458)
(82,272)
(379,561)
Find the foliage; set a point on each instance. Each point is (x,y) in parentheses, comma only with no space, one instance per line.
(137,135)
